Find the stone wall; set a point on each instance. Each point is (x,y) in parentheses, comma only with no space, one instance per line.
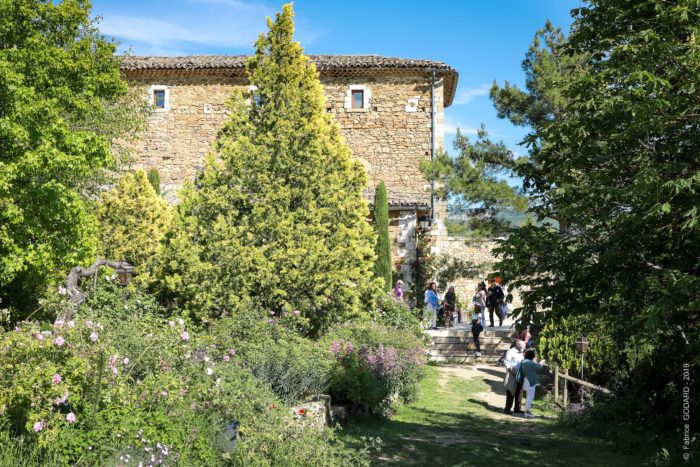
(389,138)
(480,254)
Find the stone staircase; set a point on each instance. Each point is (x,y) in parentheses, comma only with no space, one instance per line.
(456,345)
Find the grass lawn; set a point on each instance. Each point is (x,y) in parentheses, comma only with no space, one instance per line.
(448,424)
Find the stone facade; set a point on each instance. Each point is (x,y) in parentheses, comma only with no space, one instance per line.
(390,135)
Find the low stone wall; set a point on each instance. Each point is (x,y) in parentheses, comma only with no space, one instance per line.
(479,254)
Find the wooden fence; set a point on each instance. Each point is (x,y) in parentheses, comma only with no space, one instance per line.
(565,376)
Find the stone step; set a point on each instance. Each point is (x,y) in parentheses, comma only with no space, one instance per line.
(461,332)
(490,350)
(469,338)
(470,346)
(466,360)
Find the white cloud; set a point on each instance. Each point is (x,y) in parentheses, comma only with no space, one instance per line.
(451,128)
(214,23)
(465,96)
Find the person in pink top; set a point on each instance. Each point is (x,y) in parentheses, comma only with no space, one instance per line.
(398,291)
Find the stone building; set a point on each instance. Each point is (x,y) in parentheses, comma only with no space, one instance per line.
(383,106)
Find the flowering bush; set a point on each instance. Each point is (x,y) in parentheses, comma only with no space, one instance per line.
(109,391)
(375,367)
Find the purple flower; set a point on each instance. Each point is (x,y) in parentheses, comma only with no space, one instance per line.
(226,358)
(38,426)
(335,347)
(39,336)
(232,352)
(59,323)
(272,313)
(185,336)
(296,312)
(59,341)
(56,378)
(125,361)
(70,418)
(94,336)
(61,400)
(349,347)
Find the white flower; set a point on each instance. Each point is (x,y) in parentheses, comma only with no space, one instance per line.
(94,336)
(180,321)
(210,371)
(125,361)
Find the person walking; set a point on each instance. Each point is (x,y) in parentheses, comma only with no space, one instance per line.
(494,300)
(432,302)
(398,291)
(477,327)
(513,358)
(527,375)
(480,300)
(450,304)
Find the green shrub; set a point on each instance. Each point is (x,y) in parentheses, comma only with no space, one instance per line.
(398,315)
(375,367)
(382,265)
(295,367)
(133,220)
(154,180)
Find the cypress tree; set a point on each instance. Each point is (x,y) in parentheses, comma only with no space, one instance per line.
(382,266)
(154,180)
(278,218)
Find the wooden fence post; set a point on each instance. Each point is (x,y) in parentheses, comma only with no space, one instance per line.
(566,389)
(556,384)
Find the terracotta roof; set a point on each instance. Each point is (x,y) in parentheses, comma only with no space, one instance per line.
(407,201)
(324,63)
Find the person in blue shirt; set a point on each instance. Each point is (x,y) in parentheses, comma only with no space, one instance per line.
(432,302)
(527,375)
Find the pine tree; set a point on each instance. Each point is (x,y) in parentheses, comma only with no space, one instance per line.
(277,219)
(382,267)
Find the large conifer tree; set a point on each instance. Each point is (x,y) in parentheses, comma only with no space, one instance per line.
(382,267)
(277,219)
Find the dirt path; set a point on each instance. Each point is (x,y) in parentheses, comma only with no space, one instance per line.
(492,375)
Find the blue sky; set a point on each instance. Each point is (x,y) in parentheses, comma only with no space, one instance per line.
(483,40)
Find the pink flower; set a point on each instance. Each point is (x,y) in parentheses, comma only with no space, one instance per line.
(56,378)
(38,426)
(61,400)
(272,313)
(297,312)
(94,336)
(125,361)
(88,323)
(232,352)
(185,336)
(59,323)
(226,358)
(70,418)
(71,324)
(62,290)
(271,321)
(39,336)
(59,341)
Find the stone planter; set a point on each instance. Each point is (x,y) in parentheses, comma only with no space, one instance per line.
(314,413)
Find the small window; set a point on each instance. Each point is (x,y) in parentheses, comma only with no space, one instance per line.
(358,98)
(159,99)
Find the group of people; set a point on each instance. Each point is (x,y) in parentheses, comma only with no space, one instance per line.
(491,298)
(521,368)
(521,378)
